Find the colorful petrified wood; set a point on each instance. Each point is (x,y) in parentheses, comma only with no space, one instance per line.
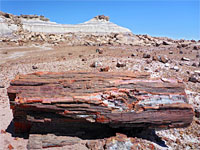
(117,99)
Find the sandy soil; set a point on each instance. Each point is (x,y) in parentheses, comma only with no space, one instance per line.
(20,60)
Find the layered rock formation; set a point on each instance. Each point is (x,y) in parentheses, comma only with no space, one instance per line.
(33,23)
(33,28)
(97,25)
(25,29)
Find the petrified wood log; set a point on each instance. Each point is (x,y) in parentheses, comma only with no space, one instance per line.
(117,99)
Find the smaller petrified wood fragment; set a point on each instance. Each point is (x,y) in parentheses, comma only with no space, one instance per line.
(38,141)
(113,98)
(118,142)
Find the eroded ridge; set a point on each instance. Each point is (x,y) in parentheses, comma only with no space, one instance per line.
(128,99)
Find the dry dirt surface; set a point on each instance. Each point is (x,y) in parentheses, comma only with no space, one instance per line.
(166,61)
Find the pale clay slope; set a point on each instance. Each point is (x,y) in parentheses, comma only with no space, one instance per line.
(94,26)
(6,29)
(91,26)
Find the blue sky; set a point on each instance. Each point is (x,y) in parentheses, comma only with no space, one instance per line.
(172,18)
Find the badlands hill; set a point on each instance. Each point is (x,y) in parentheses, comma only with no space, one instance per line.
(34,23)
(97,31)
(26,29)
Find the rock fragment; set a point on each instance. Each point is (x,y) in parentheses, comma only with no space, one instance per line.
(184,45)
(185,59)
(167,43)
(158,43)
(146,55)
(95,64)
(10,147)
(1,86)
(100,51)
(96,144)
(167,65)
(197,72)
(159,58)
(102,17)
(105,69)
(193,78)
(163,59)
(84,59)
(122,142)
(34,67)
(155,58)
(196,47)
(133,55)
(120,64)
(176,68)
(180,52)
(197,112)
(38,141)
(194,64)
(148,61)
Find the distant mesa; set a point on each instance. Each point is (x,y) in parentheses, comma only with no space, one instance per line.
(34,23)
(33,28)
(97,31)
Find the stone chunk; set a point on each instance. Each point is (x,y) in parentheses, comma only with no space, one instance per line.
(145,55)
(121,141)
(37,141)
(104,69)
(197,112)
(163,59)
(1,86)
(95,64)
(193,78)
(100,51)
(120,64)
(176,68)
(185,59)
(34,67)
(102,17)
(167,43)
(196,47)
